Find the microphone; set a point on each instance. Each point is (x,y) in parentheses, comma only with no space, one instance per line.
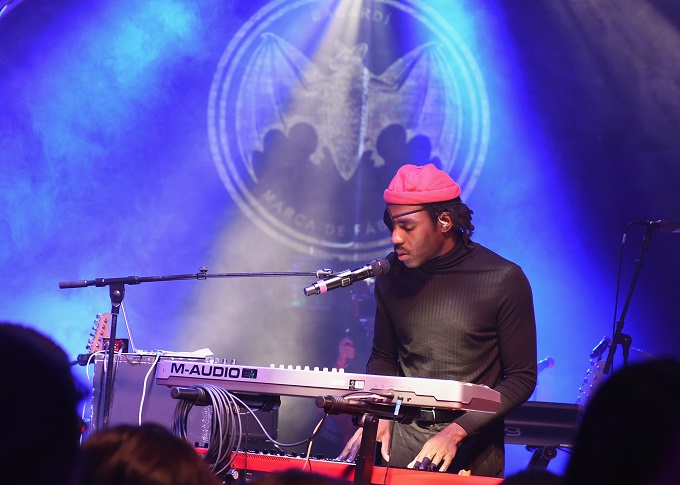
(660,225)
(347,277)
(600,348)
(341,405)
(544,364)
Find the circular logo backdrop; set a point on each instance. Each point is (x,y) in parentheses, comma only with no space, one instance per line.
(315,105)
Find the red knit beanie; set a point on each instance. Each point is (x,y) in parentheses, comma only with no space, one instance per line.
(413,185)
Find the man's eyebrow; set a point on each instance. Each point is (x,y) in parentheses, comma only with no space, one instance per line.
(404,218)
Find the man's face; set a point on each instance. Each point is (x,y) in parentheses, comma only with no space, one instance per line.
(415,236)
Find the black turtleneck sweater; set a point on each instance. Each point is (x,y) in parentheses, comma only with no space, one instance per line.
(466,316)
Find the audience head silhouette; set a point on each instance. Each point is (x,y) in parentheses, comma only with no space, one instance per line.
(533,476)
(628,425)
(39,422)
(148,454)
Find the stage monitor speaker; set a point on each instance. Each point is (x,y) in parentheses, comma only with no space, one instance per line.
(537,423)
(135,388)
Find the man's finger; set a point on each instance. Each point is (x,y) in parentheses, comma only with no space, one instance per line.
(348,455)
(437,461)
(347,452)
(445,464)
(385,449)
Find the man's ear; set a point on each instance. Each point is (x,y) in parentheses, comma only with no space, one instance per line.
(445,221)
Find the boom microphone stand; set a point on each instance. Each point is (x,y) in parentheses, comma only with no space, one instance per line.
(621,338)
(117,293)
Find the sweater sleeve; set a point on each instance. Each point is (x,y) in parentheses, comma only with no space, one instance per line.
(517,346)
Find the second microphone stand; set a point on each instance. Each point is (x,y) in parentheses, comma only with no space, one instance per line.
(620,338)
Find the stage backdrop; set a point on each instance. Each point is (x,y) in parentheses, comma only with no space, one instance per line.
(247,136)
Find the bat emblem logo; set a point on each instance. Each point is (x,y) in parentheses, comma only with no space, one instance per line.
(307,130)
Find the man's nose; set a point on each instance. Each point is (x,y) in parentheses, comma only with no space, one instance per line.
(397,238)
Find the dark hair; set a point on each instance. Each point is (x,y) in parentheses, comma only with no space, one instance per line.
(148,454)
(629,422)
(41,408)
(460,213)
(533,476)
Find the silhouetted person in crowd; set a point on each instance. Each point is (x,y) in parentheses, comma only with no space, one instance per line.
(533,476)
(39,422)
(141,455)
(668,470)
(628,426)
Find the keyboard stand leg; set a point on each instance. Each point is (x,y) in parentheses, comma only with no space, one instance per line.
(541,457)
(366,456)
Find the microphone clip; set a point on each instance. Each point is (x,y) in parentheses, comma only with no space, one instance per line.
(324,273)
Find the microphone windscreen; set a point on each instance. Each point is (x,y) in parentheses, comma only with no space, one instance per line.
(379,267)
